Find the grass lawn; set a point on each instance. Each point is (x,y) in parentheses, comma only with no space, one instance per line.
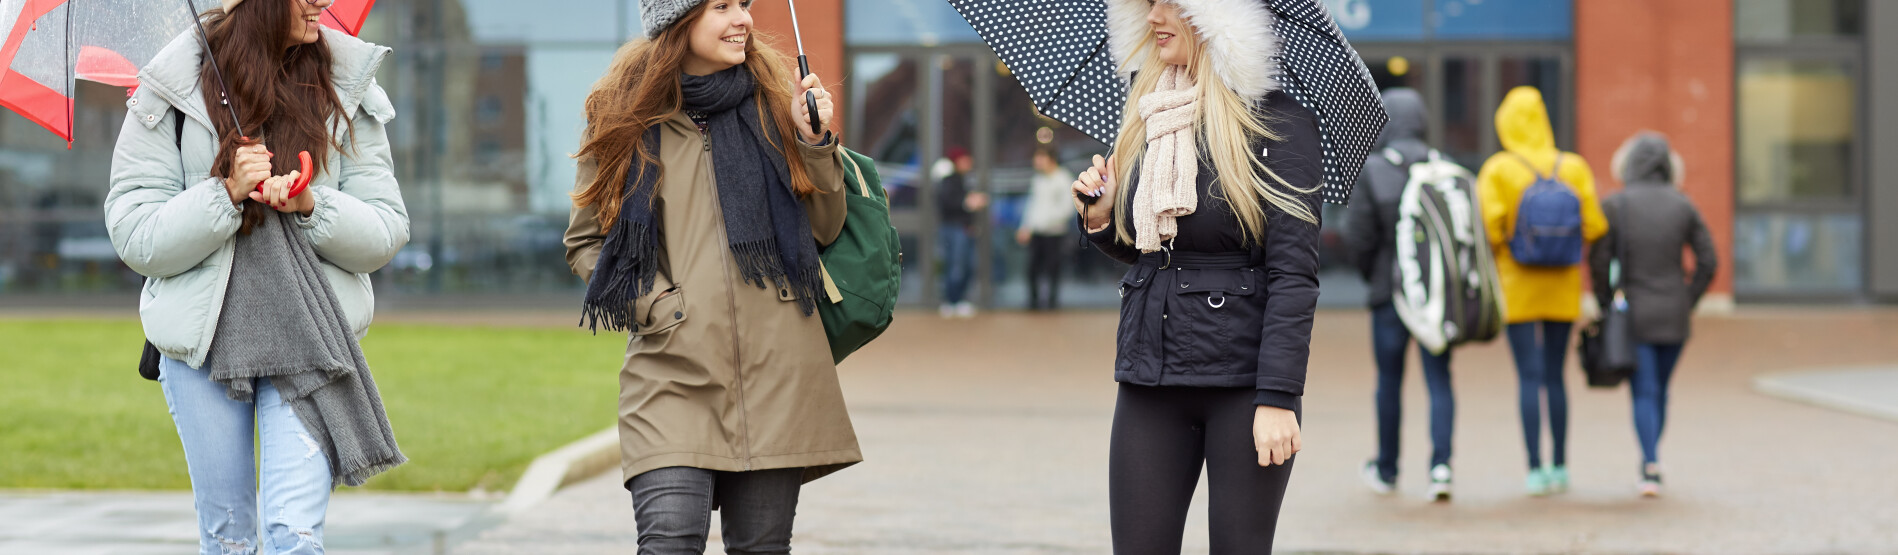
(471,406)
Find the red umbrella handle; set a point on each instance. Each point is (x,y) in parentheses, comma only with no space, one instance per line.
(303,179)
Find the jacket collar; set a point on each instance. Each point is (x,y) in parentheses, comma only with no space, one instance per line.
(1239,33)
(173,74)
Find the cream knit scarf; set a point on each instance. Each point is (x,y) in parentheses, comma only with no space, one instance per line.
(1170,170)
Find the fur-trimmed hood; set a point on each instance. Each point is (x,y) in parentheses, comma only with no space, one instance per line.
(1240,34)
(1646,158)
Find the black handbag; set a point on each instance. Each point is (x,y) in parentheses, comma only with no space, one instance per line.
(1607,344)
(148,362)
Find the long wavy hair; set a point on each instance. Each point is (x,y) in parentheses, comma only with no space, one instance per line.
(641,90)
(283,95)
(1225,126)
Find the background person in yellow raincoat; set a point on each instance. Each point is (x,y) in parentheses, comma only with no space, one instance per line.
(1541,303)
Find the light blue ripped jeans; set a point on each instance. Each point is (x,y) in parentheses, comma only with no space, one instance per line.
(217,435)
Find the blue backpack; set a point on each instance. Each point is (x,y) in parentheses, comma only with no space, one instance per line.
(1548,221)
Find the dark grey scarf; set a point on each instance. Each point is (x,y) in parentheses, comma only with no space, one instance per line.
(768,232)
(281,321)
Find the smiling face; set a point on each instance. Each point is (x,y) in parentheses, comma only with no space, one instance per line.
(1172,35)
(717,40)
(304,25)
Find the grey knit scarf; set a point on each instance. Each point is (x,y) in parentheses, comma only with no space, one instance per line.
(768,232)
(281,321)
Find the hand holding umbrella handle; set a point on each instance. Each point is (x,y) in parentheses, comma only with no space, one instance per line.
(810,98)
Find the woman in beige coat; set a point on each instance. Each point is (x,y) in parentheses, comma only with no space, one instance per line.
(701,200)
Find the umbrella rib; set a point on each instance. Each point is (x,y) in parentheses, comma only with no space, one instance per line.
(1063,89)
(339,21)
(69,76)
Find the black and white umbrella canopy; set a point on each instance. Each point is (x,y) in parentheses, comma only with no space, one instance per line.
(1058,50)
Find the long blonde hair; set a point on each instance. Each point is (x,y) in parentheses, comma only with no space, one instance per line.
(1225,125)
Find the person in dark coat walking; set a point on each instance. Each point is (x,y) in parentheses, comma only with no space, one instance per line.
(1372,221)
(1650,221)
(1219,218)
(956,210)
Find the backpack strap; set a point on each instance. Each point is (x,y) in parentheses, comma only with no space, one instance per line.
(1555,171)
(178,140)
(1531,165)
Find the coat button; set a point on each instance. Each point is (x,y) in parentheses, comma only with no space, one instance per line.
(132,101)
(1183,285)
(678,315)
(150,118)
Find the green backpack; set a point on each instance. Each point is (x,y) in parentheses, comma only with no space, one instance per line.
(863,267)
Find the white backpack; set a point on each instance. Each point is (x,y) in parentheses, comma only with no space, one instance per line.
(1444,282)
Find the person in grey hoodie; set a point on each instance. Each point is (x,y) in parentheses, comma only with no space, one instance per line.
(1650,221)
(1371,223)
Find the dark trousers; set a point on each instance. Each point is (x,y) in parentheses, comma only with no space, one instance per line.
(1389,339)
(672,509)
(1653,369)
(1161,437)
(1044,268)
(1540,349)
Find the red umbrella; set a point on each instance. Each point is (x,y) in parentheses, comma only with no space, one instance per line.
(45,44)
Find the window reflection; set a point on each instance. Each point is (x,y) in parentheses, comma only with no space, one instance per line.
(1797,253)
(1796,120)
(1781,20)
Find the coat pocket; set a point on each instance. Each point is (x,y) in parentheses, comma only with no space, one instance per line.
(664,311)
(1214,321)
(1138,335)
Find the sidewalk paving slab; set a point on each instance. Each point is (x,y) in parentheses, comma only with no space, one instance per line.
(990,435)
(139,522)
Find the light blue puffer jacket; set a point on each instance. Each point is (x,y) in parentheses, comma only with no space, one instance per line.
(178,227)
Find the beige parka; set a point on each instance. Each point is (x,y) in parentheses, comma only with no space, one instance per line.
(721,374)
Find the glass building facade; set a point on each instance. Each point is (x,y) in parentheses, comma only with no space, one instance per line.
(489,96)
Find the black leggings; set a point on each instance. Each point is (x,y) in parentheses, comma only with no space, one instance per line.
(1161,437)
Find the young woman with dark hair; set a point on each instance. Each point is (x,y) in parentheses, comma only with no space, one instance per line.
(256,296)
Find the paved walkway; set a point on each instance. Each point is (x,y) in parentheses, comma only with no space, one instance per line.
(141,523)
(988,436)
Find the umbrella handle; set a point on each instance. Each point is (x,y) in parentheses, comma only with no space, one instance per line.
(810,98)
(303,178)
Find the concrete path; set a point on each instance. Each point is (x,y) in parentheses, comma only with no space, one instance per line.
(989,436)
(1869,391)
(141,523)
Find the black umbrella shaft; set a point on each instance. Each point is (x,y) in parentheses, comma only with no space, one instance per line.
(224,90)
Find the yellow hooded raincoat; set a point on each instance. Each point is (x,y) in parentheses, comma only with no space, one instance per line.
(1533,294)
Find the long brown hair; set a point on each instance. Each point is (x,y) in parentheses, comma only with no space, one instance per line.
(282,93)
(641,90)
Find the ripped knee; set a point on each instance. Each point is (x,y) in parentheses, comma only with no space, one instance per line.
(230,546)
(298,541)
(227,545)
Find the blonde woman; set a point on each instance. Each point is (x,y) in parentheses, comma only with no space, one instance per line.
(1219,218)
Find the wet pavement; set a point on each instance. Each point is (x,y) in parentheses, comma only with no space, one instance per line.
(989,436)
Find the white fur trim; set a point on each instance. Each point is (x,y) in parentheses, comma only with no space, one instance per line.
(1244,47)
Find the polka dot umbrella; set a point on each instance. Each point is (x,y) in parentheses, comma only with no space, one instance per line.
(1058,51)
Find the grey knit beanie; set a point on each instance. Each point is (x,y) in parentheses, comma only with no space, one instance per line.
(656,15)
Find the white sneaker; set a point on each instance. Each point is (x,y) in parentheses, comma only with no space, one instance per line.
(1375,481)
(965,309)
(1439,483)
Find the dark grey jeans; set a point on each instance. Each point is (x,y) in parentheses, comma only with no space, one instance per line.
(672,508)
